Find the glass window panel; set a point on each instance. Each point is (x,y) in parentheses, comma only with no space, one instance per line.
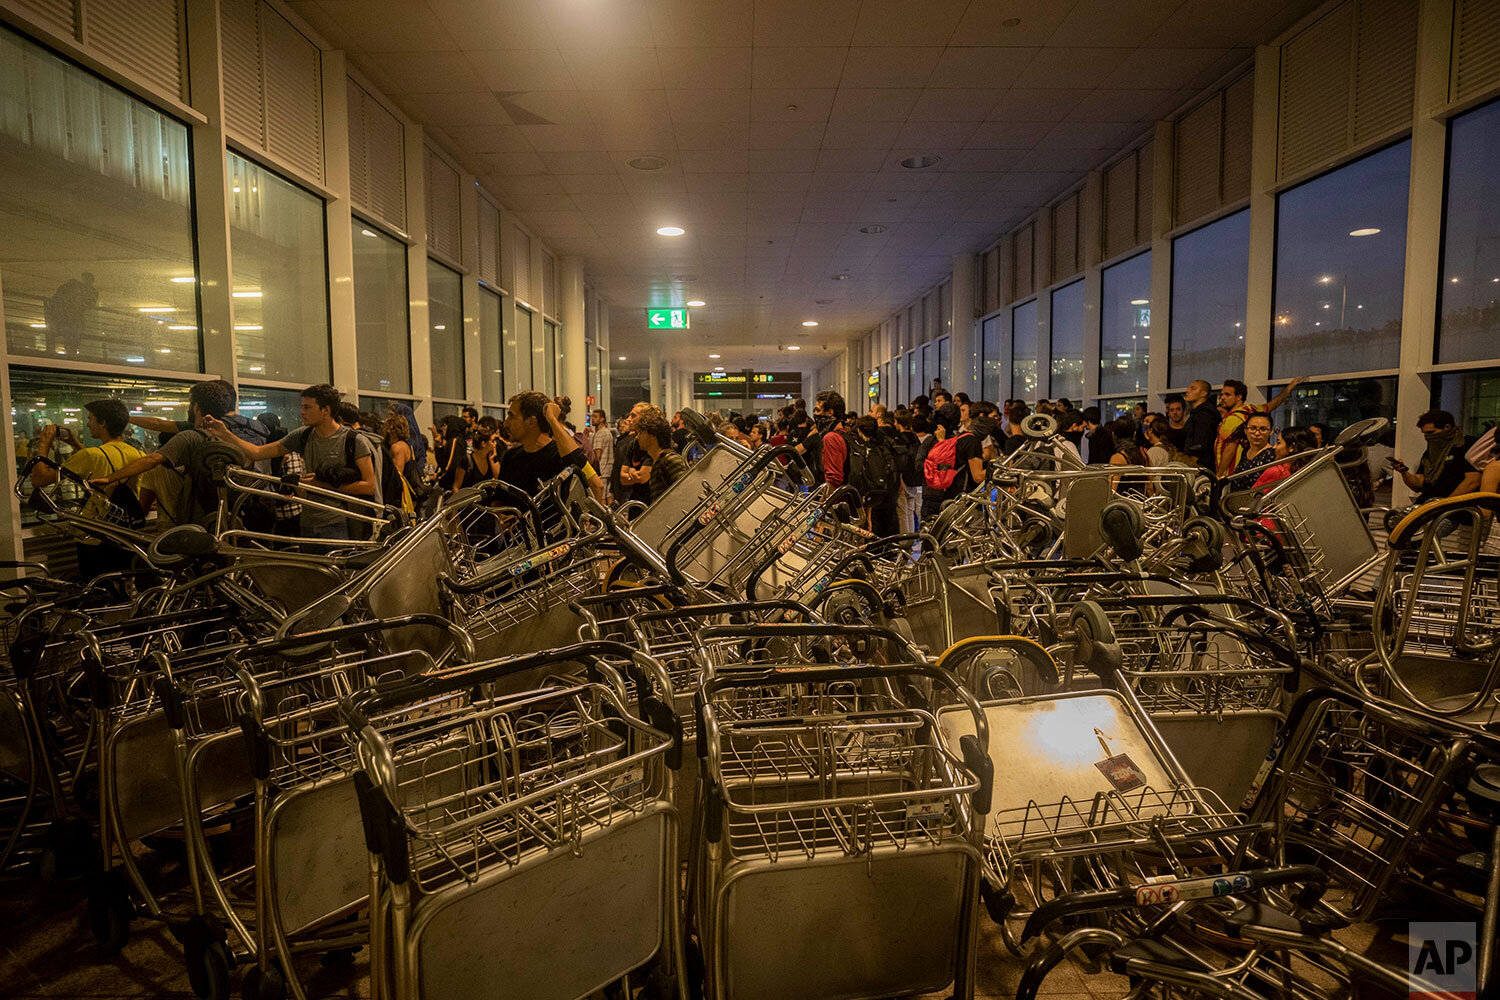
(285,403)
(280,280)
(538,354)
(1067,342)
(380,404)
(990,351)
(1338,295)
(41,397)
(591,373)
(549,360)
(929,366)
(441,410)
(1023,351)
(522,380)
(1125,325)
(1338,403)
(1472,397)
(96,225)
(913,377)
(445,319)
(1119,406)
(1210,278)
(382,332)
(1469,327)
(945,346)
(498,412)
(489,346)
(887,384)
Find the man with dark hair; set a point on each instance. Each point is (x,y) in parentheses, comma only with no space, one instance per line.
(940,397)
(654,436)
(829,413)
(1175,429)
(542,445)
(1236,410)
(471,418)
(1201,425)
(1444,470)
(107,421)
(604,444)
(1098,443)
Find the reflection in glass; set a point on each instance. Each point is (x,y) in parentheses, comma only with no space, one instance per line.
(1337,404)
(441,410)
(382,336)
(1125,325)
(913,376)
(549,360)
(445,321)
(492,384)
(280,283)
(945,348)
(1338,294)
(989,353)
(1470,315)
(285,403)
(1067,343)
(1472,397)
(1119,406)
(380,405)
(1023,370)
(520,343)
(96,224)
(1210,271)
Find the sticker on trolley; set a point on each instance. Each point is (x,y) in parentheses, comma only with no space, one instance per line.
(556,552)
(1121,772)
(744,481)
(627,778)
(926,810)
(1152,895)
(709,514)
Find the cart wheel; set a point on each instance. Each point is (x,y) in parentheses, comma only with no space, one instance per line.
(110,911)
(208,967)
(692,956)
(267,985)
(69,851)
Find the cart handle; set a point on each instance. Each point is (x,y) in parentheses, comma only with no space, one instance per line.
(297,644)
(819,510)
(1028,650)
(1206,621)
(1405,531)
(726,608)
(811,630)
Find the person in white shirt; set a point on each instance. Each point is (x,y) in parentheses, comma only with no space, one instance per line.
(604,444)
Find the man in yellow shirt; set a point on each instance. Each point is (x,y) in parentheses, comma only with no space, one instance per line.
(107,421)
(1228,444)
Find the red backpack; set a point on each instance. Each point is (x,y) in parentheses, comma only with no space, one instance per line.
(940,467)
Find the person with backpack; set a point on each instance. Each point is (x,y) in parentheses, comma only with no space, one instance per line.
(337,458)
(872,471)
(953,465)
(403,490)
(832,446)
(905,444)
(107,422)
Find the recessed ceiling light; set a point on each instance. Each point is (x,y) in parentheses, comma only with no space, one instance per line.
(1010,22)
(920,162)
(620,358)
(245,295)
(366,232)
(646,163)
(1454,279)
(840,277)
(163,350)
(794,347)
(1363,232)
(872,230)
(39,326)
(1140,302)
(670,231)
(158,309)
(183,279)
(182,326)
(809,322)
(696,303)
(718,368)
(441,326)
(248,327)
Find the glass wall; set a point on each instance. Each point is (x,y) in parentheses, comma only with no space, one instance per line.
(382,337)
(286,404)
(1125,325)
(549,360)
(280,280)
(1067,343)
(945,350)
(1210,272)
(1340,263)
(379,405)
(525,379)
(445,321)
(990,348)
(96,225)
(1337,403)
(1472,397)
(1469,318)
(1023,370)
(492,385)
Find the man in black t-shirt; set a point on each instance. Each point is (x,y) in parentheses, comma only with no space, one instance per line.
(543,447)
(1444,471)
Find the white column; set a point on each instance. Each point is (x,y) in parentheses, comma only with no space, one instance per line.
(1258,300)
(601,331)
(416,274)
(345,374)
(1424,233)
(654,381)
(572,355)
(1161,266)
(964,347)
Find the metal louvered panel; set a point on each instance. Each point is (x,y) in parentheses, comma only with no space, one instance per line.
(385,146)
(1065,261)
(1476,48)
(1119,207)
(59,14)
(1385,68)
(1314,124)
(244,106)
(1024,271)
(144,36)
(359,146)
(442,208)
(549,285)
(489,243)
(990,296)
(1145,172)
(1238,97)
(1195,161)
(523,266)
(294,94)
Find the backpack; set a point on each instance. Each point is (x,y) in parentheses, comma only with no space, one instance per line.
(203,483)
(941,466)
(904,450)
(872,469)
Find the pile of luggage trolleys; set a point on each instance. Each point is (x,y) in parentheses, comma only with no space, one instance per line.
(729,745)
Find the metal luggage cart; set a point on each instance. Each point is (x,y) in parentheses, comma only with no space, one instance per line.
(502,812)
(827,803)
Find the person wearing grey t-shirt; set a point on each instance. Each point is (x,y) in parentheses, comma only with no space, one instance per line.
(324,446)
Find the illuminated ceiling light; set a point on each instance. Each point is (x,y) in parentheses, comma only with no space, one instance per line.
(713,357)
(246,295)
(718,368)
(696,303)
(136,359)
(1140,302)
(158,309)
(1327,306)
(236,189)
(794,347)
(163,350)
(183,279)
(366,232)
(620,358)
(1368,231)
(248,327)
(809,322)
(441,326)
(39,326)
(1326,278)
(1453,280)
(181,327)
(257,368)
(670,231)
(845,277)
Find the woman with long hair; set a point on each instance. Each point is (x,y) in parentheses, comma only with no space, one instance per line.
(452,453)
(1292,442)
(1126,452)
(402,489)
(484,455)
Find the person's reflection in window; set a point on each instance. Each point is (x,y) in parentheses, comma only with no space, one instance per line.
(66,312)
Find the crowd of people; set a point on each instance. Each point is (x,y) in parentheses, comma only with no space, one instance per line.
(898,465)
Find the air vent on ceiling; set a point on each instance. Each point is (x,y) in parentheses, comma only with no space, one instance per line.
(872,230)
(920,162)
(647,163)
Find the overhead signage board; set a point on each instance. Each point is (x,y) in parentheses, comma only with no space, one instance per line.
(874,382)
(667,319)
(745,385)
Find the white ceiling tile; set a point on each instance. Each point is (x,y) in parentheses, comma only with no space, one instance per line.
(1229,23)
(902,22)
(528,184)
(1046,105)
(780,183)
(983,68)
(690,106)
(984,22)
(775,205)
(798,22)
(842,180)
(513,163)
(489,138)
(936,105)
(1060,159)
(984,160)
(1037,186)
(548,107)
(717,181)
(950,205)
(873,105)
(1124,105)
(480,108)
(1112,22)
(783,161)
(772,105)
(714,161)
(1089,135)
(586,23)
(613,68)
(860,135)
(966,181)
(1070,67)
(850,160)
(899,179)
(693,22)
(888,206)
(419,71)
(654,182)
(934,135)
(588,162)
(704,68)
(712,135)
(591,183)
(391,25)
(478,24)
(889,67)
(520,69)
(798,67)
(785,135)
(604,204)
(719,203)
(524,202)
(561,138)
(1162,69)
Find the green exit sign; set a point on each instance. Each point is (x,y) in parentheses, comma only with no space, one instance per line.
(667,319)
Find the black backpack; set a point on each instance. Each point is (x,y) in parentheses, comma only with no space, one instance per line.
(904,452)
(203,484)
(872,469)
